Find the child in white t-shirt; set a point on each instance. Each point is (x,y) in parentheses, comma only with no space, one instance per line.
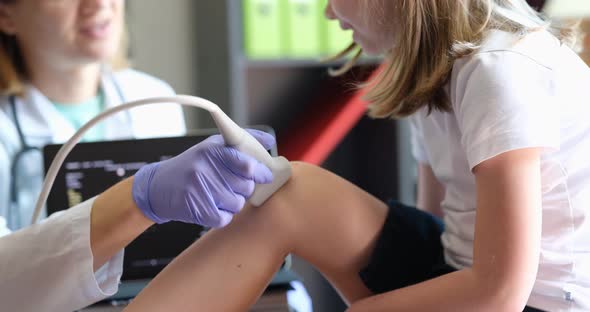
(500,111)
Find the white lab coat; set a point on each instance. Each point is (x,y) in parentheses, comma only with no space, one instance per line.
(48,267)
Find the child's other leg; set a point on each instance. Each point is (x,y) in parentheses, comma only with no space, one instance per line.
(318,216)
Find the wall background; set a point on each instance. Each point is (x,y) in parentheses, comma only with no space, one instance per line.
(163,43)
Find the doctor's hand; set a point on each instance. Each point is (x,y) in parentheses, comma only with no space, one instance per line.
(206,185)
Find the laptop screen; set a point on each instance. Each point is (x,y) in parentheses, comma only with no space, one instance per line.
(91,168)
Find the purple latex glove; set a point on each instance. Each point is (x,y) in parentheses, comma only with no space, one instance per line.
(206,185)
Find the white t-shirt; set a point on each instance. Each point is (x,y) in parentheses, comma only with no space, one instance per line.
(517,93)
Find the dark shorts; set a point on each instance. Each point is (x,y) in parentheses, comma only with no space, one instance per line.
(408,251)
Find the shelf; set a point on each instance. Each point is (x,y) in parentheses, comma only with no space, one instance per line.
(314,136)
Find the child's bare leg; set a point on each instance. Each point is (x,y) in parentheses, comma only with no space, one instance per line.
(318,216)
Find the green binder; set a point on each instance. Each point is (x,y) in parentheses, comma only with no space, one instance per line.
(304,28)
(263,28)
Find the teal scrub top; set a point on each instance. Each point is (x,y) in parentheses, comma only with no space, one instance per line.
(79,114)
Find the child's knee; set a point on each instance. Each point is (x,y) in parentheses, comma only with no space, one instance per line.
(290,203)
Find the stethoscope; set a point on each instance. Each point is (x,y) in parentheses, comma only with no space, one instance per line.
(26,148)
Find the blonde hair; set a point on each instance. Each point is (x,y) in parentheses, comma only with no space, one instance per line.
(13,73)
(435,34)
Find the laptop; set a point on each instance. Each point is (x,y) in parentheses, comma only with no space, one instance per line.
(91,168)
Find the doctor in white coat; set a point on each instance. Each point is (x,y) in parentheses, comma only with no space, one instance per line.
(57,52)
(72,52)
(61,62)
